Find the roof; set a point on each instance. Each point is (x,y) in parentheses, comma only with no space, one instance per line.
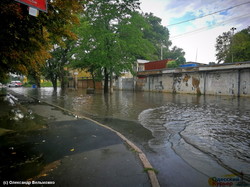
(140,61)
(160,64)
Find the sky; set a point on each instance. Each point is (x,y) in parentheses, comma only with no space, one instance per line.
(210,19)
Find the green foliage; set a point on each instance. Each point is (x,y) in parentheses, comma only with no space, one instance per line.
(223,46)
(43,84)
(177,54)
(157,34)
(241,46)
(55,66)
(26,40)
(110,37)
(132,31)
(151,169)
(234,48)
(172,64)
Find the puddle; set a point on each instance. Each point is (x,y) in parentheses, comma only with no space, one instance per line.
(18,159)
(16,118)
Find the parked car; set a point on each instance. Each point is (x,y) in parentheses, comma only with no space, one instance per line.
(15,84)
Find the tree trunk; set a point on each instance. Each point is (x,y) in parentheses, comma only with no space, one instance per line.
(111,83)
(106,81)
(37,80)
(93,79)
(54,83)
(75,82)
(63,82)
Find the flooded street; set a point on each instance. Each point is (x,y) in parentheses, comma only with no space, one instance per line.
(193,137)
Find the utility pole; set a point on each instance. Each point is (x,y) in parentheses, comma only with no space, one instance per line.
(161,51)
(162,46)
(196,55)
(232,29)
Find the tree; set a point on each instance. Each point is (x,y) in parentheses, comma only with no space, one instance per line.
(233,48)
(172,64)
(132,30)
(223,46)
(54,68)
(241,46)
(177,54)
(158,35)
(84,51)
(27,40)
(111,37)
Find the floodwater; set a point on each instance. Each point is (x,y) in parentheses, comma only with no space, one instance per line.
(209,134)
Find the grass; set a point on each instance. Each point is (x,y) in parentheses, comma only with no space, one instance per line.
(43,84)
(151,169)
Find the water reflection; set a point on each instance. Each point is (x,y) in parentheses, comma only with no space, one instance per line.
(18,158)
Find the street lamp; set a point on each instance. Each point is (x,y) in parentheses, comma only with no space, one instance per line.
(232,29)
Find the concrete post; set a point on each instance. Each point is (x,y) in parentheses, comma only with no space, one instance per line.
(75,80)
(239,80)
(205,82)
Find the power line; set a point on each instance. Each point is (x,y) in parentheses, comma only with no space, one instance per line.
(206,28)
(207,14)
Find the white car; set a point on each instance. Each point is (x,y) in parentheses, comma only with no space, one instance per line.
(15,84)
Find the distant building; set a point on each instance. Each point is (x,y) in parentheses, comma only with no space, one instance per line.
(160,64)
(79,78)
(141,64)
(127,81)
(192,64)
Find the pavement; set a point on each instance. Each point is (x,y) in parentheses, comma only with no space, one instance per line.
(47,145)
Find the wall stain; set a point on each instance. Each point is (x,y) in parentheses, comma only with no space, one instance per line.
(196,84)
(244,88)
(177,82)
(186,78)
(217,76)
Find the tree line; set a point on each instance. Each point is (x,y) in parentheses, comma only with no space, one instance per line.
(102,37)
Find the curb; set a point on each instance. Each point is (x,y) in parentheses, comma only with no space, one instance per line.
(146,164)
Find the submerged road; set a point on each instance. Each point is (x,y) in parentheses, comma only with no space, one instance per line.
(188,139)
(42,144)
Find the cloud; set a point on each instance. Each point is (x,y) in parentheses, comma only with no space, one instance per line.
(200,33)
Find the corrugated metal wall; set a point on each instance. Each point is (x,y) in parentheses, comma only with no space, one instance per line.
(156,65)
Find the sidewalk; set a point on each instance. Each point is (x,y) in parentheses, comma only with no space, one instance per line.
(57,148)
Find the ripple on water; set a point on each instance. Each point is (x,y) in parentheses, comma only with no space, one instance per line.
(222,135)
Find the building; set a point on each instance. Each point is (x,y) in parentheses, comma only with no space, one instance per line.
(82,79)
(142,67)
(192,64)
(160,64)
